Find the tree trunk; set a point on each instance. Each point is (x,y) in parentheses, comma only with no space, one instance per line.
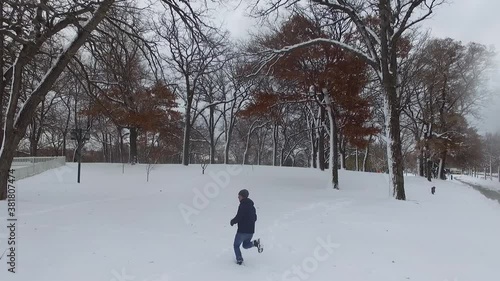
(440,168)
(343,159)
(112,149)
(228,142)
(357,160)
(367,152)
(247,144)
(342,149)
(6,158)
(11,136)
(333,163)
(442,165)
(187,131)
(321,138)
(313,147)
(35,134)
(389,75)
(491,171)
(275,143)
(63,152)
(133,146)
(421,163)
(66,127)
(33,139)
(121,145)
(34,148)
(314,153)
(258,155)
(395,157)
(212,133)
(427,160)
(105,147)
(212,153)
(282,155)
(429,169)
(262,142)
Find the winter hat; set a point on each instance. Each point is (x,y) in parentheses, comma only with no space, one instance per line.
(243,193)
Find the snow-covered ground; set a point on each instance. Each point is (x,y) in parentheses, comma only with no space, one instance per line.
(488,183)
(117,227)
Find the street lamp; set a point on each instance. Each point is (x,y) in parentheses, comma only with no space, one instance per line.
(80,136)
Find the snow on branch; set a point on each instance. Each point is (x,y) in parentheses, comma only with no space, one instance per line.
(273,55)
(66,55)
(368,35)
(374,35)
(445,135)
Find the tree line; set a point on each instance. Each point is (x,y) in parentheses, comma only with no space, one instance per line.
(331,85)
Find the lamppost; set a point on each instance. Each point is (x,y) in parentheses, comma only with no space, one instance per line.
(80,135)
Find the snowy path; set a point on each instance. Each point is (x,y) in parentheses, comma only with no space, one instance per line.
(117,227)
(491,194)
(490,189)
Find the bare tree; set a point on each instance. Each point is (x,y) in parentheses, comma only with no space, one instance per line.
(444,83)
(47,22)
(26,29)
(237,92)
(190,58)
(212,105)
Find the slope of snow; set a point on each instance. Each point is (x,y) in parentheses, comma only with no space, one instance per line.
(118,227)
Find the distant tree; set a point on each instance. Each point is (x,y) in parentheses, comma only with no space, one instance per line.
(263,109)
(447,84)
(153,110)
(120,63)
(236,92)
(491,152)
(190,58)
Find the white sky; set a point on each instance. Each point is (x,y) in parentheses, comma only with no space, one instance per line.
(477,21)
(463,20)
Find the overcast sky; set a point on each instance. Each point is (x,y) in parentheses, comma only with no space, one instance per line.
(477,21)
(464,20)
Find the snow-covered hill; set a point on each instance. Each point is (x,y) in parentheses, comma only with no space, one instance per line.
(118,227)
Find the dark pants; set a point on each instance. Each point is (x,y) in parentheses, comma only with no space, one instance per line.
(242,238)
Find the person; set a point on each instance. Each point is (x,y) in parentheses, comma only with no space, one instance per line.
(245,218)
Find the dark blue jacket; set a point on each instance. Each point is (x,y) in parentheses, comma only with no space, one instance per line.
(246,217)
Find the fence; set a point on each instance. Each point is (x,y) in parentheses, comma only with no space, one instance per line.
(29,166)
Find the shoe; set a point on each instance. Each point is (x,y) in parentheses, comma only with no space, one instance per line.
(239,262)
(256,243)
